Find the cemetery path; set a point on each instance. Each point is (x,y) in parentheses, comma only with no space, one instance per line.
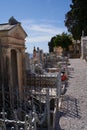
(73,112)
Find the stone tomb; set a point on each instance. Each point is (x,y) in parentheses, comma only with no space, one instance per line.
(12,65)
(84,47)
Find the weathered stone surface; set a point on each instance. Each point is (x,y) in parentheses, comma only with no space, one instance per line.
(74,106)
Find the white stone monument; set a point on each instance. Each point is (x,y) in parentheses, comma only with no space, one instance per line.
(84,47)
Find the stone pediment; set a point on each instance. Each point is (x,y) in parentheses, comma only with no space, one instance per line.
(17,32)
(12,33)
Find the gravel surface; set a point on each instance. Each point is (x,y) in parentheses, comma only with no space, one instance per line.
(73,112)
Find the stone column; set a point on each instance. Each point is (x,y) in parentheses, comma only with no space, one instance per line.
(10,78)
(23,72)
(20,74)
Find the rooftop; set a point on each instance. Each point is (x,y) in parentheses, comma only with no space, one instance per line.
(7,26)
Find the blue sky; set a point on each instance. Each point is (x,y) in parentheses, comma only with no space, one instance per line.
(41,19)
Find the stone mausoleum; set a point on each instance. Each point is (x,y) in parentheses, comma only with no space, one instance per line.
(12,65)
(84,47)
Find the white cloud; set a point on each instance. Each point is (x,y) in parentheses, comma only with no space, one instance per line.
(50,21)
(40,32)
(38,39)
(46,29)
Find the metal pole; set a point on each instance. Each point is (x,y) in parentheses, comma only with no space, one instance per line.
(34,118)
(58,88)
(15,114)
(3,114)
(48,109)
(26,119)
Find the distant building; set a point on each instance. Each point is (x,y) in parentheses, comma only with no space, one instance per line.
(34,52)
(37,55)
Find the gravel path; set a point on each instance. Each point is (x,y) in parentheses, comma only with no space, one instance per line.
(73,114)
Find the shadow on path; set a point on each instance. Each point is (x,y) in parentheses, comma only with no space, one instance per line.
(70,108)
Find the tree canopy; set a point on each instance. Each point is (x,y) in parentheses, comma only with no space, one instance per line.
(63,40)
(76,18)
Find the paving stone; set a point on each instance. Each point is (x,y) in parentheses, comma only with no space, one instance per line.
(74,105)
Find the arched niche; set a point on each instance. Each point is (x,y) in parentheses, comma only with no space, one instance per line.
(14,67)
